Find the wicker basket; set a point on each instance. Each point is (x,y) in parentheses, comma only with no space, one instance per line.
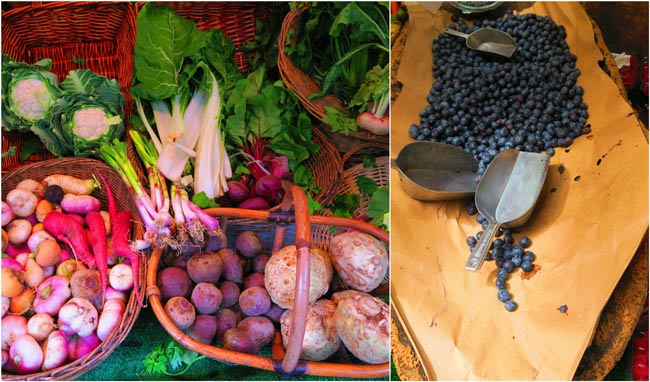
(76,35)
(271,226)
(85,168)
(303,86)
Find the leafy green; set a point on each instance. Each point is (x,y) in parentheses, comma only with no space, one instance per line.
(172,357)
(11,151)
(203,201)
(339,121)
(344,205)
(379,208)
(366,185)
(29,148)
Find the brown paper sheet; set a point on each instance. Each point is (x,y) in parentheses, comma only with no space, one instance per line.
(584,234)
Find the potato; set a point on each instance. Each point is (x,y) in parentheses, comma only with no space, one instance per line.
(321,339)
(229,293)
(254,279)
(254,301)
(181,312)
(232,265)
(280,276)
(248,244)
(173,281)
(250,335)
(238,340)
(204,328)
(226,319)
(205,267)
(360,260)
(362,323)
(206,298)
(274,313)
(259,262)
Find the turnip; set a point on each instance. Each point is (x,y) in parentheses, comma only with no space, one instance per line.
(79,347)
(43,207)
(181,312)
(49,271)
(121,277)
(173,281)
(33,186)
(107,221)
(25,355)
(370,122)
(33,273)
(7,213)
(206,298)
(18,231)
(12,282)
(78,316)
(48,253)
(8,262)
(37,238)
(51,295)
(15,250)
(55,350)
(68,267)
(86,283)
(22,202)
(112,294)
(40,326)
(22,303)
(110,318)
(5,305)
(12,327)
(5,240)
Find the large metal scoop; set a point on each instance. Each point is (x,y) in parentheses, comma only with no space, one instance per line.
(506,195)
(487,40)
(430,171)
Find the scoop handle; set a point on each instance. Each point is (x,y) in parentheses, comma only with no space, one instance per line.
(478,253)
(455,33)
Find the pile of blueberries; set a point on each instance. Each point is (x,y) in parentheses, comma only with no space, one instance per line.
(486,103)
(507,254)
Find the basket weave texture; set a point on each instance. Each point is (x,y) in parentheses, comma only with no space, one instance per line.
(310,231)
(85,168)
(76,35)
(303,86)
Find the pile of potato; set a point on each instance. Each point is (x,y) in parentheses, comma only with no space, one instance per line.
(237,298)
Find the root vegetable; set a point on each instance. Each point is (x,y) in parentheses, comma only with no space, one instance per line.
(66,229)
(368,121)
(237,192)
(205,267)
(274,313)
(80,204)
(40,326)
(12,327)
(7,213)
(362,322)
(86,283)
(71,184)
(33,274)
(43,207)
(12,282)
(22,303)
(121,234)
(359,259)
(321,339)
(238,340)
(15,250)
(255,203)
(248,244)
(173,281)
(37,238)
(37,188)
(250,335)
(68,267)
(270,188)
(233,269)
(25,355)
(78,316)
(37,228)
(280,275)
(254,301)
(22,202)
(229,293)
(18,231)
(5,240)
(47,253)
(51,295)
(107,221)
(21,258)
(97,240)
(259,262)
(8,262)
(110,318)
(79,347)
(49,271)
(5,305)
(204,328)
(206,298)
(55,350)
(5,361)
(254,279)
(181,312)
(54,194)
(226,319)
(112,294)
(121,277)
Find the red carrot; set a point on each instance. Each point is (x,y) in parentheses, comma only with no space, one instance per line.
(97,240)
(121,227)
(69,231)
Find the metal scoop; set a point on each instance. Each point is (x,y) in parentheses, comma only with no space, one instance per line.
(506,195)
(430,171)
(487,40)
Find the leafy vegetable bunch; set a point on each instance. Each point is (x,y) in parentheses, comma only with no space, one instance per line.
(74,117)
(344,47)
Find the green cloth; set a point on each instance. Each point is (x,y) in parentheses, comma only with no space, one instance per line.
(125,362)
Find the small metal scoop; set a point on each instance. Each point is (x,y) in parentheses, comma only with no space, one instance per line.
(506,195)
(487,40)
(430,171)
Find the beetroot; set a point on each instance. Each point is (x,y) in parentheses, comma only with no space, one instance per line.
(255,203)
(174,281)
(237,192)
(270,188)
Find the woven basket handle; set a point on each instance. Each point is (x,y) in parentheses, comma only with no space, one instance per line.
(301,298)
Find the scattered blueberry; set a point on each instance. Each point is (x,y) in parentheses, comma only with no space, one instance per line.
(471,241)
(516,261)
(510,305)
(500,283)
(528,256)
(503,274)
(524,242)
(508,266)
(526,266)
(471,209)
(498,243)
(563,309)
(503,295)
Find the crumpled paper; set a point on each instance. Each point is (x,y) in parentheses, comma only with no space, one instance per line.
(621,59)
(586,226)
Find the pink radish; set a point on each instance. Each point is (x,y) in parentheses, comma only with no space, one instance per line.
(79,347)
(370,122)
(12,327)
(51,294)
(97,229)
(80,204)
(25,355)
(70,232)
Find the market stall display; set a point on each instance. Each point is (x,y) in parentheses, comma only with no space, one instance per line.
(447,320)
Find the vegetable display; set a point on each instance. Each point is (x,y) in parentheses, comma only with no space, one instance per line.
(63,297)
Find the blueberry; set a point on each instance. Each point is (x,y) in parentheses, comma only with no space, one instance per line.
(498,243)
(517,250)
(500,283)
(517,260)
(508,266)
(526,266)
(471,209)
(524,242)
(503,274)
(510,305)
(480,218)
(528,256)
(507,237)
(503,295)
(479,234)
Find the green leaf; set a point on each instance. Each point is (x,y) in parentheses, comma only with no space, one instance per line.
(379,206)
(202,201)
(29,148)
(339,121)
(11,151)
(366,185)
(369,161)
(363,22)
(344,205)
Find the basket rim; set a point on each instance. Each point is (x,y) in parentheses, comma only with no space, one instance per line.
(72,370)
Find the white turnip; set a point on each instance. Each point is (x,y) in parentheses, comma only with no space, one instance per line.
(33,186)
(12,327)
(121,277)
(112,294)
(12,282)
(33,274)
(18,231)
(40,326)
(79,347)
(78,316)
(110,318)
(37,238)
(55,350)
(22,202)
(51,295)
(5,305)
(7,213)
(25,355)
